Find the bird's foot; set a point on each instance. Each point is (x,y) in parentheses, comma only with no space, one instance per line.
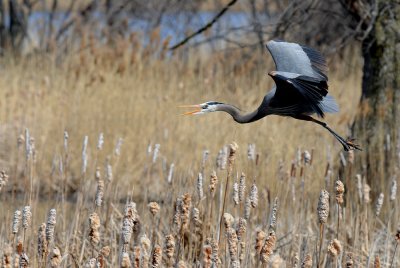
(350,145)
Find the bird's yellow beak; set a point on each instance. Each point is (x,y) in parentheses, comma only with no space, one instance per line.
(197,110)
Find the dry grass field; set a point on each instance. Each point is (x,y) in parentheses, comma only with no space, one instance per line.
(96,149)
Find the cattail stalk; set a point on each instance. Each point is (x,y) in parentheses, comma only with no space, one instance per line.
(323,213)
(339,190)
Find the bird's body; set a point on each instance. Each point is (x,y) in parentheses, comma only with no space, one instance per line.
(301,89)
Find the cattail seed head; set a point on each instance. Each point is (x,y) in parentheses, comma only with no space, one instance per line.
(260,236)
(26,217)
(242,187)
(307,262)
(228,220)
(393,190)
(359,186)
(178,211)
(366,191)
(307,157)
(235,193)
(84,154)
(349,260)
(42,242)
(378,205)
(241,229)
(273,217)
(251,152)
(156,152)
(267,249)
(157,256)
(232,155)
(323,207)
(146,247)
(196,217)
(16,221)
(186,207)
(242,251)
(23,260)
(100,189)
(254,196)
(109,172)
(169,249)
(222,158)
(334,248)
(213,182)
(3,179)
(51,223)
(94,225)
(207,250)
(214,251)
(232,245)
(339,190)
(377,262)
(100,141)
(125,260)
(91,263)
(154,208)
(199,187)
(247,208)
(55,257)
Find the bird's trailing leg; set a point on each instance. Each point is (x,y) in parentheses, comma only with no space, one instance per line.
(347,144)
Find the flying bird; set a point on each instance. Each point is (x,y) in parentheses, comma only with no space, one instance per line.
(300,91)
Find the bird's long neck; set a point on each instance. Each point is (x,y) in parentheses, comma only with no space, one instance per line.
(241,117)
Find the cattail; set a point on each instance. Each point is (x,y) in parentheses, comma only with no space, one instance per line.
(94,225)
(51,223)
(222,158)
(125,260)
(55,257)
(334,248)
(169,249)
(178,211)
(156,151)
(199,188)
(42,242)
(207,250)
(235,193)
(260,236)
(66,137)
(213,182)
(349,260)
(170,173)
(146,246)
(127,228)
(228,220)
(154,208)
(118,145)
(186,207)
(241,229)
(136,257)
(109,172)
(23,260)
(366,190)
(242,187)
(307,157)
(91,263)
(196,217)
(16,222)
(378,205)
(307,261)
(28,149)
(214,252)
(232,244)
(232,155)
(242,251)
(100,189)
(3,179)
(104,253)
(100,141)
(247,208)
(323,207)
(26,217)
(84,154)
(273,217)
(377,262)
(295,260)
(339,190)
(251,152)
(254,196)
(157,256)
(267,249)
(7,257)
(393,190)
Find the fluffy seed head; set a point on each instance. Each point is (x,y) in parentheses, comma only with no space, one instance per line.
(51,223)
(16,221)
(157,256)
(307,262)
(323,207)
(55,257)
(125,260)
(213,182)
(260,236)
(247,208)
(222,158)
(366,190)
(235,193)
(228,220)
(94,225)
(26,217)
(378,205)
(393,190)
(334,248)
(42,242)
(273,218)
(254,196)
(339,190)
(267,249)
(242,187)
(199,187)
(100,189)
(241,228)
(154,208)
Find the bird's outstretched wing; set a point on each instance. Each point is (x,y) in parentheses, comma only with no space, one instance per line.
(295,58)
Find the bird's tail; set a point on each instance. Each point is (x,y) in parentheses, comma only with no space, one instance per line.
(329,105)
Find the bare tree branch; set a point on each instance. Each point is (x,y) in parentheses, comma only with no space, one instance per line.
(208,25)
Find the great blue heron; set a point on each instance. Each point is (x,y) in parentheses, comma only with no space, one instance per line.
(301,89)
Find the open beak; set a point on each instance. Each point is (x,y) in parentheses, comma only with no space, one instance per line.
(197,110)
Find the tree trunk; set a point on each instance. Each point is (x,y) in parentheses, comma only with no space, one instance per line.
(377,123)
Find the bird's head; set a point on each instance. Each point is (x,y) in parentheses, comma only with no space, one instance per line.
(202,108)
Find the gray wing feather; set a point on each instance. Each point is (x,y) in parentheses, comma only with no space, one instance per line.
(294,58)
